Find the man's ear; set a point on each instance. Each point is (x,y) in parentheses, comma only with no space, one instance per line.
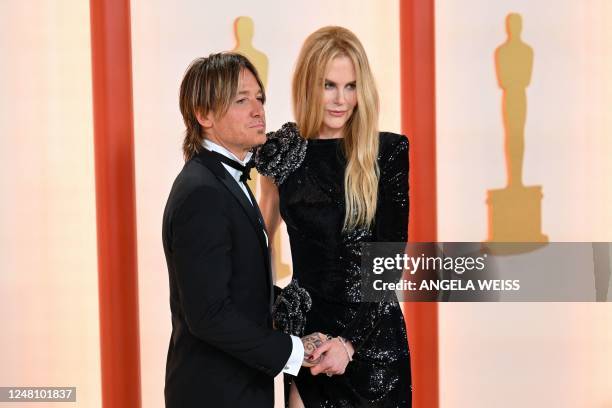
(206,121)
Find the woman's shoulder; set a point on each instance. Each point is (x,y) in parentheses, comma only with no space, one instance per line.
(391,146)
(393,160)
(283,152)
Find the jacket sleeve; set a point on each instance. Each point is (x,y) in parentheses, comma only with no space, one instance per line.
(202,243)
(391,226)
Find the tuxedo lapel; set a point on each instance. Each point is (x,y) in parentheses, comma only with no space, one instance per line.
(267,255)
(251,210)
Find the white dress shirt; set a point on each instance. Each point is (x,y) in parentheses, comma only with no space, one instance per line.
(297,353)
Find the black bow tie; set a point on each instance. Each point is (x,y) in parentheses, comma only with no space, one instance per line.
(246,170)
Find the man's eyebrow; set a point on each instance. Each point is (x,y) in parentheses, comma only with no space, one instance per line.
(248,92)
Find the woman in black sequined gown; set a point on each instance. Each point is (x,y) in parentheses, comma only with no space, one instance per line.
(309,167)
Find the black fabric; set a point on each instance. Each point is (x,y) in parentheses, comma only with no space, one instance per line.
(246,170)
(223,351)
(326,262)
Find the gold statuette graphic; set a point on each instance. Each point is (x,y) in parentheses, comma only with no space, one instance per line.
(244,29)
(514,211)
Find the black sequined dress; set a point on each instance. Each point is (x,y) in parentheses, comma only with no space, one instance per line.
(326,262)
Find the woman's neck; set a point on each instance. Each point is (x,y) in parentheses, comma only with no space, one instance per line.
(330,134)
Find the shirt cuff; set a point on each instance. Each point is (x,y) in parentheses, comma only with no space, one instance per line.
(296,358)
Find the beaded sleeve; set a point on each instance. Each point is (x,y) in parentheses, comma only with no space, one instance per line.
(391,225)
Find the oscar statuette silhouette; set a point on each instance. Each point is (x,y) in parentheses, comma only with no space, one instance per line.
(514,212)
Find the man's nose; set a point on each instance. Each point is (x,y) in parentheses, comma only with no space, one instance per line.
(257,109)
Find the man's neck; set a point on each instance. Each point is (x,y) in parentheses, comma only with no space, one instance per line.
(240,155)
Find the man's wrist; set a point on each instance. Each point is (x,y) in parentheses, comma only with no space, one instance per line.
(296,358)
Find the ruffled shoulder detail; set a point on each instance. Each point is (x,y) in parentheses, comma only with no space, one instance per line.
(282,154)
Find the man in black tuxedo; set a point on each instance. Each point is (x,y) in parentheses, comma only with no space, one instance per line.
(223,351)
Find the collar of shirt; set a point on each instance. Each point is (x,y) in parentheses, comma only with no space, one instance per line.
(212,146)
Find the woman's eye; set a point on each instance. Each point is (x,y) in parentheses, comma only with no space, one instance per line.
(351,86)
(329,85)
(241,100)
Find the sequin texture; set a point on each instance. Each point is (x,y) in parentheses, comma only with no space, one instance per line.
(283,152)
(290,309)
(326,262)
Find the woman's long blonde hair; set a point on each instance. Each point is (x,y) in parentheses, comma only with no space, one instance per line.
(361,130)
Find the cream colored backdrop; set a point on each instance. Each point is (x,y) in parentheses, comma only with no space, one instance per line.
(501,355)
(167,36)
(527,355)
(48,267)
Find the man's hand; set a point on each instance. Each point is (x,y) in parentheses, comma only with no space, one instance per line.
(333,356)
(311,342)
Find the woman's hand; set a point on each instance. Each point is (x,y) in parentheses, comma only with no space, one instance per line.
(337,353)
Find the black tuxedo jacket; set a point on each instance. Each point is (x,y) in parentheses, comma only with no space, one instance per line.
(223,351)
